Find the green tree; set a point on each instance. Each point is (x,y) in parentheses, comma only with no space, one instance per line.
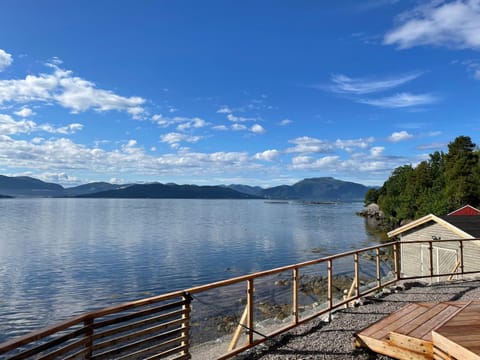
(371,196)
(393,200)
(442,183)
(461,169)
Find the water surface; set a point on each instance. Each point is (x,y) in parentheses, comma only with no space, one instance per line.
(60,257)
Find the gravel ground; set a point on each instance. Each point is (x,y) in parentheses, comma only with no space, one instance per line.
(320,340)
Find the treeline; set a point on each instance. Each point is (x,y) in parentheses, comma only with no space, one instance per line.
(445,182)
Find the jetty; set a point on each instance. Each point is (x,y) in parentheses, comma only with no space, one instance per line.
(268,307)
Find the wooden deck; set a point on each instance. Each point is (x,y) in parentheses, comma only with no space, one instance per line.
(445,330)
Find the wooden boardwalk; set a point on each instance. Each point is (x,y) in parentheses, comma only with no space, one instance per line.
(444,330)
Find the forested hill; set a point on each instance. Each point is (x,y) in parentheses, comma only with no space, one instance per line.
(313,189)
(439,185)
(322,189)
(172,191)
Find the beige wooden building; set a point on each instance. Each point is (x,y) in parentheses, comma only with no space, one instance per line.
(463,223)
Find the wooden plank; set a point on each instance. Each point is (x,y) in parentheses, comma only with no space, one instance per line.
(438,354)
(414,313)
(460,336)
(452,348)
(382,347)
(410,343)
(424,331)
(238,330)
(410,326)
(387,320)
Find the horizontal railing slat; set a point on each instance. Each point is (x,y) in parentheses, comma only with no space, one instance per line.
(116,330)
(134,335)
(116,352)
(147,351)
(50,344)
(66,349)
(141,313)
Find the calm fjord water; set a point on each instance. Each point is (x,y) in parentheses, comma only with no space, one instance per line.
(60,257)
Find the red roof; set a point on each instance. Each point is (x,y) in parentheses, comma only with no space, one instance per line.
(466,210)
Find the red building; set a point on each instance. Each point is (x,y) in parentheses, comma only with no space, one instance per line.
(466,210)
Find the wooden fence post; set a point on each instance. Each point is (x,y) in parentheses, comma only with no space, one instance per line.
(250,304)
(397,260)
(462,269)
(186,311)
(330,287)
(377,258)
(88,323)
(296,279)
(430,249)
(357,275)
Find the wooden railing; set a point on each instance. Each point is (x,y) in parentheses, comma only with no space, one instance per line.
(160,327)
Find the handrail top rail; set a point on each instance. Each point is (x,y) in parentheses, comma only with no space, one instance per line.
(438,240)
(87,318)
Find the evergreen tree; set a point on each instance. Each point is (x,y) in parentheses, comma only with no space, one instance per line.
(461,182)
(439,185)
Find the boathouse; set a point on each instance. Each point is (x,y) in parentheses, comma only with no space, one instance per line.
(463,223)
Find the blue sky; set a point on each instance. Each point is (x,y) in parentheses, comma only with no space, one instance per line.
(219,92)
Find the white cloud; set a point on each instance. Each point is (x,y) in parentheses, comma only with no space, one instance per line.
(5,59)
(267,155)
(174,139)
(239,127)
(346,85)
(306,144)
(349,145)
(257,129)
(224,110)
(220,128)
(234,118)
(453,24)
(183,123)
(9,126)
(69,91)
(192,123)
(161,121)
(24,112)
(401,100)
(65,130)
(376,151)
(285,122)
(59,178)
(307,163)
(400,136)
(80,95)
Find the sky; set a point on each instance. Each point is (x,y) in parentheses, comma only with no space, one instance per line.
(256,92)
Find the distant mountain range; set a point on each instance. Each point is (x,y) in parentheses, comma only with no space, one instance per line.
(314,189)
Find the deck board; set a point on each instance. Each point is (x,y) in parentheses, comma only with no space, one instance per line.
(460,336)
(427,331)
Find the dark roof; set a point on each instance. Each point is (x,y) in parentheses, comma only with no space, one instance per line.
(468,223)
